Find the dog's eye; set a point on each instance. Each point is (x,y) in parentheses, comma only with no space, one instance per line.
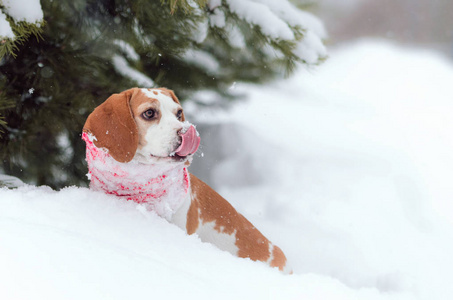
(179,114)
(149,114)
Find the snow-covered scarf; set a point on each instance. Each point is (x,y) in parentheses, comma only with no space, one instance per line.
(162,187)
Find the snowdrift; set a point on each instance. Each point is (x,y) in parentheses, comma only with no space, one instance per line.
(79,244)
(347,170)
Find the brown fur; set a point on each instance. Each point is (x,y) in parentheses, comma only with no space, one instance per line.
(208,206)
(279,259)
(114,127)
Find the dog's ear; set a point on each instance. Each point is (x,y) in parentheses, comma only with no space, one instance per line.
(171,94)
(113,126)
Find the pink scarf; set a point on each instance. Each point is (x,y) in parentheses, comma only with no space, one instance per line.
(162,187)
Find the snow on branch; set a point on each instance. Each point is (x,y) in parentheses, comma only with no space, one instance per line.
(5,28)
(18,20)
(261,15)
(29,11)
(311,48)
(202,60)
(127,49)
(294,16)
(122,67)
(279,20)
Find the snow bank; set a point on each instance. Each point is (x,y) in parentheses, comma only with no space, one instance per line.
(79,244)
(352,167)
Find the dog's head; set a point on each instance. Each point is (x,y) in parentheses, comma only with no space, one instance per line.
(147,125)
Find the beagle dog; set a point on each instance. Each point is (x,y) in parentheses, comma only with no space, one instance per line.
(139,146)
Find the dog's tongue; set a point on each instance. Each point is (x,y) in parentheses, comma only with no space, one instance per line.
(190,142)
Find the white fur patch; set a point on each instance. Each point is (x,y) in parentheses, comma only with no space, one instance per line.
(223,241)
(271,251)
(286,268)
(179,218)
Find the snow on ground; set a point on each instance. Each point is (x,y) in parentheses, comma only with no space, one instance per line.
(352,165)
(79,244)
(357,163)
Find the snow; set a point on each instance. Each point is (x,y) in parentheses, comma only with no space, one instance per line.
(260,15)
(10,181)
(122,66)
(350,163)
(275,19)
(358,168)
(311,48)
(29,11)
(24,10)
(235,37)
(79,244)
(217,18)
(201,31)
(127,49)
(212,4)
(295,17)
(5,28)
(202,59)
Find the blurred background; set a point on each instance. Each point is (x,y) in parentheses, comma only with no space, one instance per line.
(418,23)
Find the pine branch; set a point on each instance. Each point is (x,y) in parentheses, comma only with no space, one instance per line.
(4,104)
(49,84)
(22,31)
(185,5)
(2,124)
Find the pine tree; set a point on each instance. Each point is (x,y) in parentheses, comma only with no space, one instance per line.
(54,73)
